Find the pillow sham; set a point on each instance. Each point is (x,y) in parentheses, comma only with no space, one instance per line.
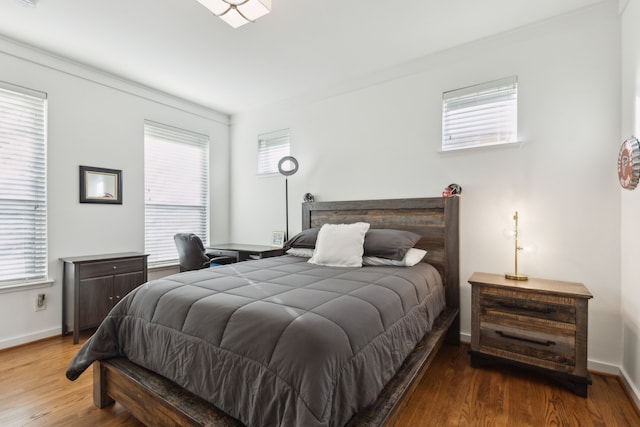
(378,242)
(301,252)
(411,258)
(340,245)
(389,243)
(305,239)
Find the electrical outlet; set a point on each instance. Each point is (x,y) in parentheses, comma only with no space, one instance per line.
(41,302)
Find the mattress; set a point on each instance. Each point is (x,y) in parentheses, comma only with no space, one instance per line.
(276,341)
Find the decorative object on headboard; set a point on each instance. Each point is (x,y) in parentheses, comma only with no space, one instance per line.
(452,190)
(308,198)
(629,163)
(516,275)
(287,166)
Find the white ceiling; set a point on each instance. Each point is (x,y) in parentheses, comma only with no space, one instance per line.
(179,47)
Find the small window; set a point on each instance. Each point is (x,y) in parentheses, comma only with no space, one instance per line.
(480,115)
(272,147)
(176,180)
(23,185)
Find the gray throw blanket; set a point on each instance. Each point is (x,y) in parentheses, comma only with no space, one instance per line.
(277,341)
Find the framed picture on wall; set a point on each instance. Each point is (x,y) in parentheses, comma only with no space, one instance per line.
(100,185)
(277,239)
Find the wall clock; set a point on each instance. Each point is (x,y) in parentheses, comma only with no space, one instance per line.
(629,163)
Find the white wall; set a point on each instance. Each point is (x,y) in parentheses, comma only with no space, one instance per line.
(380,138)
(97,120)
(630,212)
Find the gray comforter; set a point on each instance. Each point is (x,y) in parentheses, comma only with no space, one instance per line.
(274,342)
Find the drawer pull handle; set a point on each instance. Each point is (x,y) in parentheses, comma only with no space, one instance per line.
(526,307)
(110,298)
(115,267)
(546,343)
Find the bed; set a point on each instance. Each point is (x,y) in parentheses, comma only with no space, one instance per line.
(307,398)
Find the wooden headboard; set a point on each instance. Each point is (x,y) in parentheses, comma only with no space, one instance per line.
(434,218)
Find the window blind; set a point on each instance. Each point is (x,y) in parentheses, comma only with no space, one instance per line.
(176,175)
(484,114)
(271,148)
(23,184)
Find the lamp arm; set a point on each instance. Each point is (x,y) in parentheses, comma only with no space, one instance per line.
(517,247)
(286,208)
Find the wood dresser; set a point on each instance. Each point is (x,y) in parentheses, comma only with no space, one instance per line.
(537,323)
(94,284)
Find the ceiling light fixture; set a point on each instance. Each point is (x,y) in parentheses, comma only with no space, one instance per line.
(238,12)
(28,3)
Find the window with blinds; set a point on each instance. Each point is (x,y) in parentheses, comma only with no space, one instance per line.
(480,115)
(176,180)
(272,147)
(23,185)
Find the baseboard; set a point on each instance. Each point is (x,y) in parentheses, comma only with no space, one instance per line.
(632,391)
(603,368)
(465,338)
(598,367)
(25,339)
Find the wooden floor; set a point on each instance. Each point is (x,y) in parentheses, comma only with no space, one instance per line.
(35,392)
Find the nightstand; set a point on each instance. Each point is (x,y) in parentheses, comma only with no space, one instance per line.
(244,252)
(539,324)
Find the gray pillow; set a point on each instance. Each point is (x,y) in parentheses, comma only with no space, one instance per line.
(389,243)
(305,239)
(378,242)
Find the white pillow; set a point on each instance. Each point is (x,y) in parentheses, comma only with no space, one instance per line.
(340,245)
(301,252)
(412,257)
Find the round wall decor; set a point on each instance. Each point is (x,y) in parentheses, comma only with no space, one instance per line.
(629,163)
(288,165)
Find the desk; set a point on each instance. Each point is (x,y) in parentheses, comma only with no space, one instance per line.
(244,252)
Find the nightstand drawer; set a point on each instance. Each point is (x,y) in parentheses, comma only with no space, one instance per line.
(526,304)
(540,344)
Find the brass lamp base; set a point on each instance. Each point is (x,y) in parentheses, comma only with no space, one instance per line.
(516,276)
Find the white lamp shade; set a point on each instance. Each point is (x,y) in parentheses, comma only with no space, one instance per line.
(238,12)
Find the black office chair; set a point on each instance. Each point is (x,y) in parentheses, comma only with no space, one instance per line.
(193,255)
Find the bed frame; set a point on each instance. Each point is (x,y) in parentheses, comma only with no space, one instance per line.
(154,400)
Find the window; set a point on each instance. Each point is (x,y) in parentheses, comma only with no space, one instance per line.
(176,181)
(271,148)
(23,185)
(480,115)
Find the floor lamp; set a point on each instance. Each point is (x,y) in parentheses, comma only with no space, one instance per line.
(287,166)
